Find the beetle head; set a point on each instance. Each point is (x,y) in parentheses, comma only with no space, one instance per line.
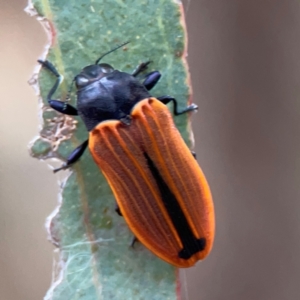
(92,73)
(95,72)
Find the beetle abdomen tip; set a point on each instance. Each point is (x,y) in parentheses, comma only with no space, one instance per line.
(198,245)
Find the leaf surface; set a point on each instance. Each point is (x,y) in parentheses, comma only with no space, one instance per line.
(96,260)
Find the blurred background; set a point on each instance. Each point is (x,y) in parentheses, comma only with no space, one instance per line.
(245,67)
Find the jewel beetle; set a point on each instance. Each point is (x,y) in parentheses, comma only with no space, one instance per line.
(158,185)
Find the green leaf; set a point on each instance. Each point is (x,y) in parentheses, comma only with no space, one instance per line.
(96,260)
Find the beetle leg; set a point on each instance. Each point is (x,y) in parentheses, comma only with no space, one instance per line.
(140,68)
(151,80)
(117,210)
(194,154)
(167,99)
(73,157)
(59,106)
(134,240)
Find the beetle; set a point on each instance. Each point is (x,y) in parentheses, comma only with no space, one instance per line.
(158,185)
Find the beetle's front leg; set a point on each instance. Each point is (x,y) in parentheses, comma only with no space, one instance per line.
(59,106)
(73,157)
(151,78)
(140,68)
(167,99)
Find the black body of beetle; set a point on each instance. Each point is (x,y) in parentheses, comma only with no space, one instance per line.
(104,94)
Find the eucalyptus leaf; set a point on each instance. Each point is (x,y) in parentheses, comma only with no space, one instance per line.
(96,260)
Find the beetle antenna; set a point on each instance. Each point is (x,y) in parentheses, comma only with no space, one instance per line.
(112,50)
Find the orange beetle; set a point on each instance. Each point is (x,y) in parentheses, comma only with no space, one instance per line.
(159,187)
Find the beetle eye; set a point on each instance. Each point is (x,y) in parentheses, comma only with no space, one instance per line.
(106,68)
(81,81)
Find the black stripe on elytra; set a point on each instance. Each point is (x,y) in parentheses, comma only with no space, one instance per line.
(191,245)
